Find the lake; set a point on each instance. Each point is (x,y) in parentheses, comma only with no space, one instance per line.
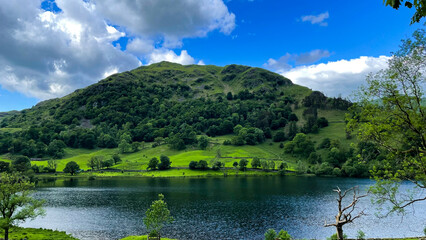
(213,208)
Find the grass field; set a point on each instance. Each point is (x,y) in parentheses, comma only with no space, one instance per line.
(33,233)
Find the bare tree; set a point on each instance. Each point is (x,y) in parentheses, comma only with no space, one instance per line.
(346,214)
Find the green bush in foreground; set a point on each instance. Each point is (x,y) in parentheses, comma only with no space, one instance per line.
(39,234)
(272,235)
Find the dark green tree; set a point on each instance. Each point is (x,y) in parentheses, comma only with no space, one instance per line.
(153,164)
(72,168)
(165,163)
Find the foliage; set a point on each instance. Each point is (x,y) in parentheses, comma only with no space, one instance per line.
(270,234)
(420,7)
(165,163)
(153,164)
(255,162)
(390,114)
(301,145)
(72,168)
(157,216)
(21,163)
(360,235)
(16,203)
(203,142)
(243,164)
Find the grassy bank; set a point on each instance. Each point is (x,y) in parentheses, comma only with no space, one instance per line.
(142,238)
(165,173)
(18,233)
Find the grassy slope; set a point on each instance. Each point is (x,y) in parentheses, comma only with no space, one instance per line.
(39,234)
(268,149)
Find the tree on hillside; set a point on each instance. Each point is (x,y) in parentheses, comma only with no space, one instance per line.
(391,113)
(153,164)
(165,163)
(420,7)
(16,205)
(157,216)
(72,168)
(255,162)
(346,213)
(21,163)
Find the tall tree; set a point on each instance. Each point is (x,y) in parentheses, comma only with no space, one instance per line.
(391,113)
(16,204)
(157,216)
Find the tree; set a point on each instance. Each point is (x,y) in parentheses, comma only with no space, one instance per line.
(164,163)
(203,142)
(420,7)
(193,165)
(235,164)
(4,167)
(391,114)
(52,164)
(72,168)
(243,164)
(255,162)
(344,214)
(157,216)
(153,164)
(116,158)
(95,162)
(16,205)
(21,163)
(202,164)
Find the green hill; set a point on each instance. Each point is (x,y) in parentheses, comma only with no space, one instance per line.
(165,108)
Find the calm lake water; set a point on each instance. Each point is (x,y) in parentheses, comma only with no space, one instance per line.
(213,208)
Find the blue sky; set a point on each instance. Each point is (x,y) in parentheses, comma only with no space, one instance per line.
(59,46)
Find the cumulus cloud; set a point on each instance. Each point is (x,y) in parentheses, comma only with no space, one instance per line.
(45,55)
(338,77)
(317,19)
(168,55)
(50,53)
(170,19)
(285,62)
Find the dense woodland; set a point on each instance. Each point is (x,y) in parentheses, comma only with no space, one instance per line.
(179,105)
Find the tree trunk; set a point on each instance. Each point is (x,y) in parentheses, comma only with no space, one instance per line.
(6,234)
(339,232)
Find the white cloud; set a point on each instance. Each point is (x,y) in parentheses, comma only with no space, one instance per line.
(339,77)
(285,62)
(170,19)
(317,19)
(168,55)
(47,54)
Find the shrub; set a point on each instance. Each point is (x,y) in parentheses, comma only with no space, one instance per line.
(193,165)
(164,163)
(243,164)
(270,234)
(283,235)
(202,164)
(360,235)
(255,162)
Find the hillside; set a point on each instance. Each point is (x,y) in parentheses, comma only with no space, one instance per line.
(169,108)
